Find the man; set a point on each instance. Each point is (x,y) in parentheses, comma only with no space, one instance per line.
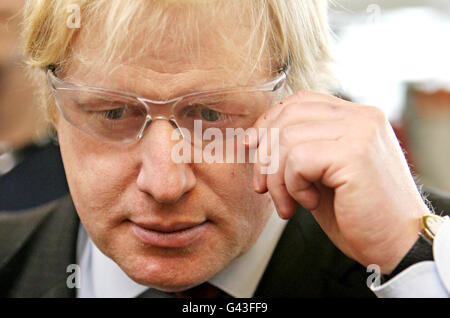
(31,171)
(137,77)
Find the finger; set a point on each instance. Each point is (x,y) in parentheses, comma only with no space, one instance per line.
(264,157)
(283,142)
(290,137)
(292,114)
(309,163)
(252,139)
(298,98)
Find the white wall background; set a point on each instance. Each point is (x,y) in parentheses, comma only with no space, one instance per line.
(383,44)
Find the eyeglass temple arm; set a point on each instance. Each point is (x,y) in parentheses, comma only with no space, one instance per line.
(285,69)
(51,68)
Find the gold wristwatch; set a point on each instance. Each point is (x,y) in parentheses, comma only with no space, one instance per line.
(430,225)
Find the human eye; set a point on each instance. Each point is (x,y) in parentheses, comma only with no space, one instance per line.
(114,114)
(123,112)
(208,114)
(204,113)
(214,111)
(112,110)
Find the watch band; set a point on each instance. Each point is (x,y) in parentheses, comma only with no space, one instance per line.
(422,250)
(419,252)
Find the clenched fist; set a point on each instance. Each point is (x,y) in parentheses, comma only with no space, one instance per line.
(342,161)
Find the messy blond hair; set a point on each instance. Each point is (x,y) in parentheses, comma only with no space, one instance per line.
(293,32)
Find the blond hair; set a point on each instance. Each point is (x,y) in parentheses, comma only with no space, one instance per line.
(293,32)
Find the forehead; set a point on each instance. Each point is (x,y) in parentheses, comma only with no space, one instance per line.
(168,46)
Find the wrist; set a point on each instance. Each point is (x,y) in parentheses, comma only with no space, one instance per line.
(421,251)
(402,245)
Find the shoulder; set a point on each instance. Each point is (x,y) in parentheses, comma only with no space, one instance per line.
(16,223)
(17,227)
(36,246)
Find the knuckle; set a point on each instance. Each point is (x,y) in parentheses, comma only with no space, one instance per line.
(274,182)
(371,122)
(289,110)
(291,159)
(360,150)
(333,107)
(375,114)
(301,94)
(295,157)
(287,134)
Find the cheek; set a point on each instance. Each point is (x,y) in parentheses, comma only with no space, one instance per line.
(97,174)
(244,211)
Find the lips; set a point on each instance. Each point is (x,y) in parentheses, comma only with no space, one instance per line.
(170,236)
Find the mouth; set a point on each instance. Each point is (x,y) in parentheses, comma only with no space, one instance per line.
(170,236)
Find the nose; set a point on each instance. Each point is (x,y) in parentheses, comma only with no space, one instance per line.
(160,176)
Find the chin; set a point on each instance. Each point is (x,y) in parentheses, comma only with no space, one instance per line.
(169,270)
(170,276)
(173,269)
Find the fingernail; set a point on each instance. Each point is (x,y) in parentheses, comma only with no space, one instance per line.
(258,183)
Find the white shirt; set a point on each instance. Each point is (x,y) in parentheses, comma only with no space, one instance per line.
(7,162)
(102,277)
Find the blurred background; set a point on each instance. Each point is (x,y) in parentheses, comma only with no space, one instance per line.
(393,54)
(31,171)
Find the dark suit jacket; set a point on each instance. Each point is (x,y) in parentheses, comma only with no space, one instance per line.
(37,246)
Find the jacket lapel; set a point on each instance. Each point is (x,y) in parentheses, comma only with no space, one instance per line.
(305,263)
(35,264)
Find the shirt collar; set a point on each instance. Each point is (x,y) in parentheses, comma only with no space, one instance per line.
(242,277)
(7,162)
(11,158)
(102,277)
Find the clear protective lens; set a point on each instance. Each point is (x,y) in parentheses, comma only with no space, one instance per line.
(238,109)
(103,116)
(116,117)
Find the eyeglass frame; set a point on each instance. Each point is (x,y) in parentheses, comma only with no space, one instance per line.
(271,85)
